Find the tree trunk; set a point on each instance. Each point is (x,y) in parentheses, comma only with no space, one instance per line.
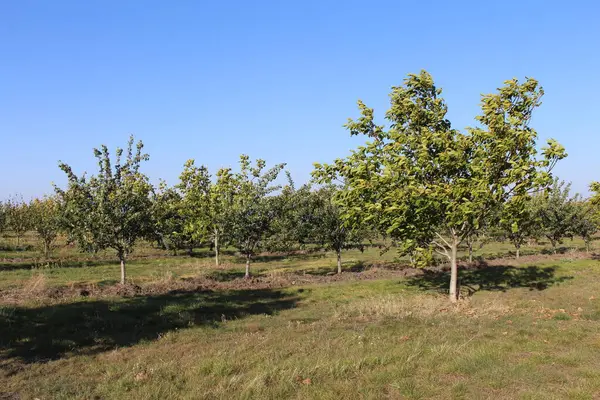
(191,250)
(453,272)
(587,246)
(470,251)
(518,251)
(554,249)
(122,259)
(217,249)
(247,276)
(46,249)
(339,261)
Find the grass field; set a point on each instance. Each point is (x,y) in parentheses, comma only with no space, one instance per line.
(524,330)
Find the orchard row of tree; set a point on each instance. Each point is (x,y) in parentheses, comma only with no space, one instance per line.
(246,209)
(417,181)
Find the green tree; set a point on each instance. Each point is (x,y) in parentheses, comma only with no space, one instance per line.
(168,218)
(206,204)
(3,217)
(587,222)
(46,221)
(253,211)
(330,229)
(518,223)
(111,209)
(557,213)
(18,216)
(422,181)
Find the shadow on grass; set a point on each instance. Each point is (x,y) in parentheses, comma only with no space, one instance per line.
(332,269)
(491,278)
(227,275)
(41,264)
(89,327)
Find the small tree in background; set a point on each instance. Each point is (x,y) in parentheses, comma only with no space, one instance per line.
(587,222)
(111,209)
(518,223)
(19,217)
(557,213)
(3,217)
(331,229)
(168,219)
(46,221)
(252,212)
(206,204)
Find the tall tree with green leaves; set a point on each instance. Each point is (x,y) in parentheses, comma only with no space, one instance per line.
(45,221)
(557,212)
(18,216)
(113,208)
(422,181)
(253,212)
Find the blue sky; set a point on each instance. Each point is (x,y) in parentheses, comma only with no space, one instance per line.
(272,79)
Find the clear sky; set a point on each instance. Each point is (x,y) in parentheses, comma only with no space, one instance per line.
(273,79)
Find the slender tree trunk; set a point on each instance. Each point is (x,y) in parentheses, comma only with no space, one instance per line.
(191,250)
(123,277)
(46,249)
(339,261)
(247,266)
(587,246)
(518,247)
(553,243)
(470,243)
(453,272)
(217,249)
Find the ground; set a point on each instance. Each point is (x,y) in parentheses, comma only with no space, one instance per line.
(524,329)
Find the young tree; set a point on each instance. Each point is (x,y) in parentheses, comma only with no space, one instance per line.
(252,211)
(19,217)
(425,182)
(3,217)
(587,222)
(330,229)
(206,204)
(518,223)
(111,209)
(168,219)
(46,221)
(556,211)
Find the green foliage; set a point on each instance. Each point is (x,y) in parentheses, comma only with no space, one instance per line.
(519,222)
(252,209)
(18,217)
(111,209)
(46,221)
(558,213)
(423,181)
(168,218)
(206,205)
(3,216)
(587,221)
